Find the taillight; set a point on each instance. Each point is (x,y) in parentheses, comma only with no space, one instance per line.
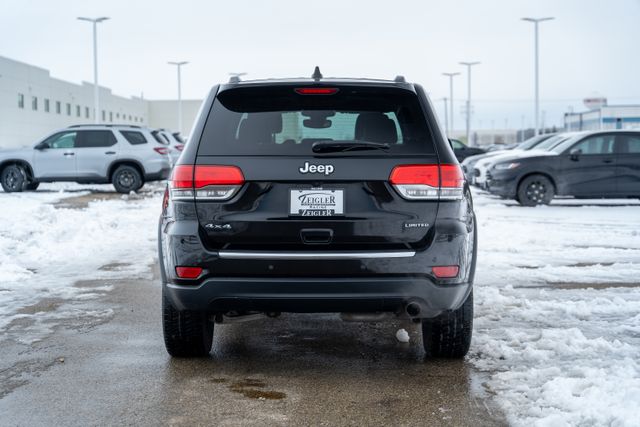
(316,90)
(161,150)
(428,182)
(188,272)
(445,271)
(205,182)
(179,147)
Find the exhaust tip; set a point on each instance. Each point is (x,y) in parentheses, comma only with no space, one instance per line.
(412,309)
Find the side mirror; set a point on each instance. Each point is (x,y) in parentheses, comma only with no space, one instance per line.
(575,154)
(42,146)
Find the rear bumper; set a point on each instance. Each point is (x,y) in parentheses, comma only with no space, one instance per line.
(316,295)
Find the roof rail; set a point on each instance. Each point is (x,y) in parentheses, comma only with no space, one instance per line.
(399,79)
(105,125)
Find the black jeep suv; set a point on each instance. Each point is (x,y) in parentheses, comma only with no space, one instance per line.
(317,195)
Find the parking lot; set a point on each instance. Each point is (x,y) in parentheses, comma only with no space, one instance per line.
(556,328)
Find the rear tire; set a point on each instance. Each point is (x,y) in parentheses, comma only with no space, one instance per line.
(535,190)
(13,178)
(126,179)
(186,333)
(449,335)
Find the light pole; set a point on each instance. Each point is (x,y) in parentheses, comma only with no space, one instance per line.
(446,116)
(96,92)
(178,66)
(451,76)
(536,21)
(469,65)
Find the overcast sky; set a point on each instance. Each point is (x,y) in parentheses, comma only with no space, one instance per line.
(591,46)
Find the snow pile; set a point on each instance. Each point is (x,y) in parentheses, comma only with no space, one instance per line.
(554,356)
(402,335)
(45,250)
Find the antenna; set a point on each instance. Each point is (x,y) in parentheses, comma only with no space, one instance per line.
(399,79)
(317,75)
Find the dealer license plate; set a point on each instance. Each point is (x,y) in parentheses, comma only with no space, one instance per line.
(316,202)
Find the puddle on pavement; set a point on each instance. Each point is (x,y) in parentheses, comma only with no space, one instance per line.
(575,265)
(250,388)
(576,285)
(42,306)
(114,266)
(82,202)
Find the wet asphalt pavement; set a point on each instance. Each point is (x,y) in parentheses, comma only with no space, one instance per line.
(293,370)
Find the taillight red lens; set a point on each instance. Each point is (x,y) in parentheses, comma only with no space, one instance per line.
(415,174)
(205,182)
(188,272)
(182,176)
(451,176)
(428,182)
(316,90)
(161,150)
(445,271)
(217,175)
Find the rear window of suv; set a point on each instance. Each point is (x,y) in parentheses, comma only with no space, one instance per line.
(134,137)
(277,120)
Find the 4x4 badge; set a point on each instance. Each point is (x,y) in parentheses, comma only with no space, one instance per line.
(307,168)
(218,227)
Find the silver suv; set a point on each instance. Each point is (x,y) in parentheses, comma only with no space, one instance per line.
(126,156)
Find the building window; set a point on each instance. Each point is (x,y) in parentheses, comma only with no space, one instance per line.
(86,112)
(20,100)
(77,111)
(104,115)
(34,103)
(58,107)
(68,109)
(129,117)
(111,116)
(46,105)
(117,115)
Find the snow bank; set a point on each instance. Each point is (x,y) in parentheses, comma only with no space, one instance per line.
(559,356)
(45,250)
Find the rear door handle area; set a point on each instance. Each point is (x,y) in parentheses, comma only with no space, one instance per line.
(316,236)
(69,154)
(110,152)
(607,161)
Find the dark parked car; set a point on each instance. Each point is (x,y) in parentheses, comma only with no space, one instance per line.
(317,195)
(463,151)
(602,164)
(469,163)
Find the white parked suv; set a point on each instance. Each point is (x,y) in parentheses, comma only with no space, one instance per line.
(126,156)
(174,141)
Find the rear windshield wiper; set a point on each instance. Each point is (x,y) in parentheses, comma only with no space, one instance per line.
(347,145)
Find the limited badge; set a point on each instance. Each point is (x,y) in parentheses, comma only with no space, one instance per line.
(408,225)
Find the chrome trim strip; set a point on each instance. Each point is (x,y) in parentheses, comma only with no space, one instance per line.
(313,255)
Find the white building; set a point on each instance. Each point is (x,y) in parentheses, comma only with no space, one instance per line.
(604,117)
(164,114)
(34,104)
